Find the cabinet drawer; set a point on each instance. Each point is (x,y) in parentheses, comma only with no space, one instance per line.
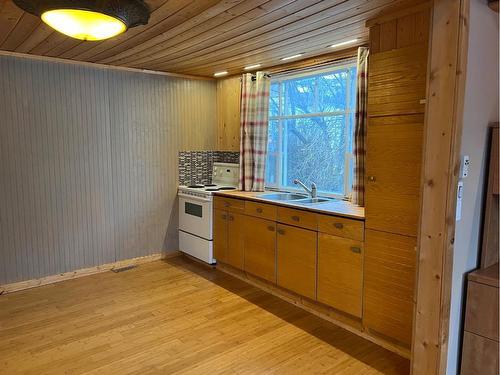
(298,218)
(265,211)
(229,204)
(341,227)
(479,355)
(481,314)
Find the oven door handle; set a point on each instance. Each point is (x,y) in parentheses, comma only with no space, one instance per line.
(194,198)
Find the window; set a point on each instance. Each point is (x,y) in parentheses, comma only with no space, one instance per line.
(311,117)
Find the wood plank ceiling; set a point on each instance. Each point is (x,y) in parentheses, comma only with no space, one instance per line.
(200,37)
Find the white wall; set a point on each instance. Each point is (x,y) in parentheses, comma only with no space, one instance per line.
(481,108)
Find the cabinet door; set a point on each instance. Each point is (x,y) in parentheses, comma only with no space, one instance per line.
(389,281)
(235,240)
(260,248)
(340,273)
(397,81)
(296,260)
(393,163)
(220,235)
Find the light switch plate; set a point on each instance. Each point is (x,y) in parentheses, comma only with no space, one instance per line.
(460,193)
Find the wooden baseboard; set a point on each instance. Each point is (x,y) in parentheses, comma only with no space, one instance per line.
(346,322)
(27,284)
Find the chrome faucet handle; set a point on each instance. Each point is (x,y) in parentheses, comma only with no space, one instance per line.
(312,191)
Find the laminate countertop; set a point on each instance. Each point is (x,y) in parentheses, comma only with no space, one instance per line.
(335,207)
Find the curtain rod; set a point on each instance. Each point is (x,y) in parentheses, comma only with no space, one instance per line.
(314,67)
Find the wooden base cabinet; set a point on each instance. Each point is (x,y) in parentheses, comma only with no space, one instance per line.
(229,237)
(235,239)
(260,248)
(340,273)
(296,260)
(389,283)
(220,235)
(480,345)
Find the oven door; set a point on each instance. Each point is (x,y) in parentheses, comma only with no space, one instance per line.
(195,215)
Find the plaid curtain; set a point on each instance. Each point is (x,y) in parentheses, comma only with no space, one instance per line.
(253,130)
(358,182)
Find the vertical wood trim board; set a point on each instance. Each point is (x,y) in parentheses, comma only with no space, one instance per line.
(441,165)
(88,171)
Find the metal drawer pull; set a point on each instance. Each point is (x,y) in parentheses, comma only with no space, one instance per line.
(271,228)
(227,204)
(295,218)
(356,250)
(231,218)
(259,210)
(372,178)
(224,217)
(338,225)
(281,231)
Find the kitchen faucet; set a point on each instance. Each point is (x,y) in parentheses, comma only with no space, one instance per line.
(313,191)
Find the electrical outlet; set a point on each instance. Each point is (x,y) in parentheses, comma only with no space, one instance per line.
(465,166)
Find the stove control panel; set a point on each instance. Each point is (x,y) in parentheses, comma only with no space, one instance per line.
(226,174)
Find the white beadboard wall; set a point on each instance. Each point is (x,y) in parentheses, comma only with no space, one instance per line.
(88,169)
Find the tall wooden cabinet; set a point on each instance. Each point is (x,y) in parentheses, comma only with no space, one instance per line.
(396,105)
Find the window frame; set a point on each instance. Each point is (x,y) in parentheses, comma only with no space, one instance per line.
(348,113)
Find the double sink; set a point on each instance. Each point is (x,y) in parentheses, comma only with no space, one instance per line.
(292,198)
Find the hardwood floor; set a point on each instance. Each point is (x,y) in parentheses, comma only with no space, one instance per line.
(174,317)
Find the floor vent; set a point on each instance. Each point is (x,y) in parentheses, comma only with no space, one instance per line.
(123,269)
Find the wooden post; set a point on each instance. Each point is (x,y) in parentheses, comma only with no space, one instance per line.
(442,134)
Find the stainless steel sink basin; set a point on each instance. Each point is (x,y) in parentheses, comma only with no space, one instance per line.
(292,198)
(281,196)
(312,200)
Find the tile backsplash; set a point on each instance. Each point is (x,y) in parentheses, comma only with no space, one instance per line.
(195,167)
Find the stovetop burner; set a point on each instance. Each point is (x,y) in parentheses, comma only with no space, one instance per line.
(212,189)
(210,185)
(196,186)
(226,188)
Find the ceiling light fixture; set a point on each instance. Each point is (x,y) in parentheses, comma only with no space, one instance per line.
(87,19)
(219,74)
(292,57)
(250,67)
(344,43)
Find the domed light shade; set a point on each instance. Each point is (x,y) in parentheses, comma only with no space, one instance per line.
(88,20)
(83,24)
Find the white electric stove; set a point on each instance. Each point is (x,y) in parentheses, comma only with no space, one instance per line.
(195,211)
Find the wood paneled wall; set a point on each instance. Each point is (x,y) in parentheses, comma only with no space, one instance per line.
(88,170)
(228,113)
